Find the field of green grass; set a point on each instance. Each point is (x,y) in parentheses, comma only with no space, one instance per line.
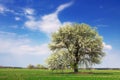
(37,74)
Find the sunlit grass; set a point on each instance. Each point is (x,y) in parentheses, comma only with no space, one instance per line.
(37,74)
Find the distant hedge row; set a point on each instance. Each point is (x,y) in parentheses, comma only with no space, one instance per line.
(38,66)
(11,67)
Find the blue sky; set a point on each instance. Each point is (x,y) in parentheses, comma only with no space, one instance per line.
(26,27)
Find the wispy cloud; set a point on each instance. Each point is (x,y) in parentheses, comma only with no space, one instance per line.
(3,9)
(17,18)
(28,11)
(63,6)
(12,43)
(47,23)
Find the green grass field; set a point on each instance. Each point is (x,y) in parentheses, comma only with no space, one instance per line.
(37,74)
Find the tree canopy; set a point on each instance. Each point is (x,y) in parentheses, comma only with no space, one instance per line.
(75,45)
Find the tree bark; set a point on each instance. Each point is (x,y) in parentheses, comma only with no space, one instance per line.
(76,57)
(75,67)
(76,63)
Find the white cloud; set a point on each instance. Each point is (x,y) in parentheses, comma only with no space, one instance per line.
(31,50)
(111,60)
(28,11)
(107,46)
(31,24)
(47,23)
(50,23)
(30,17)
(63,6)
(2,9)
(11,43)
(25,12)
(17,18)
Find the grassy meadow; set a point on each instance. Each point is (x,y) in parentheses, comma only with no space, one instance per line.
(37,74)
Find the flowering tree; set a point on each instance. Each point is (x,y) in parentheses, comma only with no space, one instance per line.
(75,45)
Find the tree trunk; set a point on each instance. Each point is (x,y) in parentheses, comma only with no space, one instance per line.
(77,58)
(76,63)
(75,67)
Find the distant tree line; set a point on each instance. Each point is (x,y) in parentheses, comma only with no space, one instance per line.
(38,66)
(11,67)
